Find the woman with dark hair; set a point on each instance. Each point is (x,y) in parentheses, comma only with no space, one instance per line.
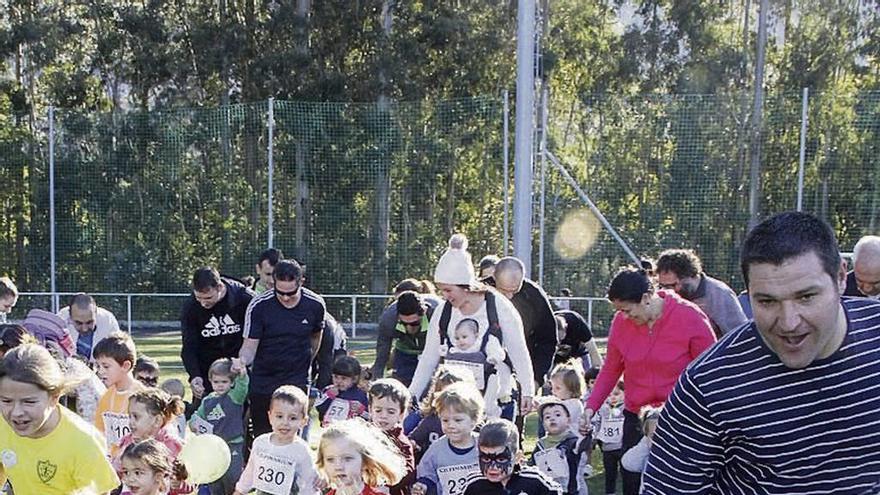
(652,339)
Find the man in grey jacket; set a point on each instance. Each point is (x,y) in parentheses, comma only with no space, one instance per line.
(682,271)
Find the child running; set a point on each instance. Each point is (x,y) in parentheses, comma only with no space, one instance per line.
(568,385)
(221,413)
(500,472)
(608,432)
(115,357)
(556,453)
(151,414)
(428,429)
(450,460)
(389,401)
(146,469)
(344,399)
(358,459)
(280,462)
(45,448)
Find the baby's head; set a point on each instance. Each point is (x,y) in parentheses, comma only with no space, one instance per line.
(465,334)
(555,416)
(567,382)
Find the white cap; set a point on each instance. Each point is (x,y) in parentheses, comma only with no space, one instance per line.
(455,266)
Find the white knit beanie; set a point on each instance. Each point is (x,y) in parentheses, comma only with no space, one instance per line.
(455,266)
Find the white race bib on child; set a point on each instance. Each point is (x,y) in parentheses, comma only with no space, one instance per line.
(273,474)
(338,411)
(201,426)
(453,478)
(611,429)
(552,462)
(115,427)
(475,369)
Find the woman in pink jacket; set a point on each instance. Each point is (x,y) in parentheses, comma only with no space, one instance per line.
(653,337)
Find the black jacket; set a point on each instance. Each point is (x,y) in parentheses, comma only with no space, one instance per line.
(524,480)
(210,334)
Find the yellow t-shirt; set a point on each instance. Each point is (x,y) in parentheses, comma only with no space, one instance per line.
(69,460)
(111,415)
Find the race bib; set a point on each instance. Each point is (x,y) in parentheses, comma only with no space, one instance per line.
(453,478)
(201,425)
(115,427)
(338,411)
(611,430)
(475,369)
(273,474)
(552,462)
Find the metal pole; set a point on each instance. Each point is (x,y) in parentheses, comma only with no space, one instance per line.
(595,209)
(803,155)
(543,150)
(525,104)
(506,145)
(52,282)
(269,150)
(758,118)
(354,318)
(128,311)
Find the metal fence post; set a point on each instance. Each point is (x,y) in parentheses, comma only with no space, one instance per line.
(354,319)
(52,282)
(543,151)
(128,311)
(506,147)
(269,150)
(803,152)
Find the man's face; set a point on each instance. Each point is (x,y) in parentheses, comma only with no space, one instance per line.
(6,304)
(797,308)
(684,286)
(508,283)
(867,271)
(288,292)
(83,319)
(265,271)
(412,323)
(209,297)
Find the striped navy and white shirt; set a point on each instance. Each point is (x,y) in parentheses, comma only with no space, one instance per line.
(739,421)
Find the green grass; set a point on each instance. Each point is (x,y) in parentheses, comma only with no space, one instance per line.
(164,347)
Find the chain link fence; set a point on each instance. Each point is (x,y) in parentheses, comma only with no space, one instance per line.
(673,171)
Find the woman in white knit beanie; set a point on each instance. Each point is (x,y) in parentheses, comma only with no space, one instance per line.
(457,283)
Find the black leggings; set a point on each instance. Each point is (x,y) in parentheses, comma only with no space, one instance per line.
(632,434)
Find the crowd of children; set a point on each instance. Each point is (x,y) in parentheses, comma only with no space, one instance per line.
(374,440)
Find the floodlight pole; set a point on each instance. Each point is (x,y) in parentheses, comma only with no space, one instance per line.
(52,282)
(523,145)
(271,192)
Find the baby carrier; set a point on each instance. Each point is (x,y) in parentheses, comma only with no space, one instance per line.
(476,362)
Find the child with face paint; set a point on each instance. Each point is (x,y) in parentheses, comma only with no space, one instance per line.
(449,461)
(500,470)
(556,453)
(357,459)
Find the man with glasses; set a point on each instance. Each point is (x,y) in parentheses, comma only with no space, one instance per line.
(682,271)
(864,279)
(282,335)
(211,323)
(87,323)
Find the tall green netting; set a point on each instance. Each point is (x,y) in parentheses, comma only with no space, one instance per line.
(673,171)
(368,194)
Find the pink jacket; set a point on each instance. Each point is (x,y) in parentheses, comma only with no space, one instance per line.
(651,359)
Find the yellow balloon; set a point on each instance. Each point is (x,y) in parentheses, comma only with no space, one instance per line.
(206,458)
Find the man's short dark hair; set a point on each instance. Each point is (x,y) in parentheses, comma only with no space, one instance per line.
(409,303)
(488,261)
(205,278)
(629,285)
(288,271)
(684,263)
(789,235)
(407,284)
(82,301)
(272,255)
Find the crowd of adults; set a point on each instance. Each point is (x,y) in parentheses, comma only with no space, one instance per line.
(777,395)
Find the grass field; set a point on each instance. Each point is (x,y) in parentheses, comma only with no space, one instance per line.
(164,346)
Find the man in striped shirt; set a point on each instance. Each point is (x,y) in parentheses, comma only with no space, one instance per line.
(791,402)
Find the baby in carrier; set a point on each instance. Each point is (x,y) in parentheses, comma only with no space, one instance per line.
(484,358)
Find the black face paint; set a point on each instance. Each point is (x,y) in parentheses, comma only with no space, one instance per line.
(502,460)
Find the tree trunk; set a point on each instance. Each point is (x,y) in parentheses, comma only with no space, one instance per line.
(379,283)
(302,205)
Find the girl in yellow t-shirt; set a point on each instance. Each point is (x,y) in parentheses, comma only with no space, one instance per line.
(46,448)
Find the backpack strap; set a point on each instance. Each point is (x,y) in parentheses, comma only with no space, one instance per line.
(492,316)
(445,316)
